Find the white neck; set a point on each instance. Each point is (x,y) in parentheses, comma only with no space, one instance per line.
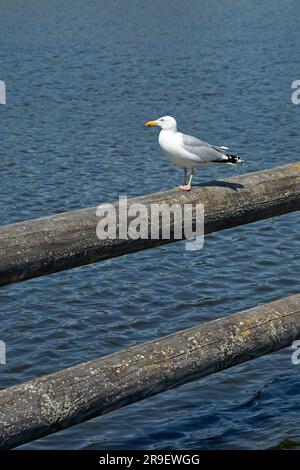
(169,130)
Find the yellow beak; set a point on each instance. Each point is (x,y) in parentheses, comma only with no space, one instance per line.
(150,123)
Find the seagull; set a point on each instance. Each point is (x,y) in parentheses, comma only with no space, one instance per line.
(187,151)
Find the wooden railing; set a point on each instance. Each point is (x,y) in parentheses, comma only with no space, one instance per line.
(67,397)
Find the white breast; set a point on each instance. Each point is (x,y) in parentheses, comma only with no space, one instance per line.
(171,145)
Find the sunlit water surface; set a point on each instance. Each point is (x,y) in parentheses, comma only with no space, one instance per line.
(82,77)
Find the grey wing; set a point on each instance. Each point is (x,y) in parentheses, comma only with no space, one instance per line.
(202,150)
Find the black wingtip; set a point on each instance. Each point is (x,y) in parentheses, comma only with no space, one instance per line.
(234,159)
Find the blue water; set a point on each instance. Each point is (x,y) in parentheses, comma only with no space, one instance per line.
(82,77)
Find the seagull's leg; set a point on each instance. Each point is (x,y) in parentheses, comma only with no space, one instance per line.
(188,187)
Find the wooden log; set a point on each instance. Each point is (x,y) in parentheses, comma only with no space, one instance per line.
(50,244)
(61,399)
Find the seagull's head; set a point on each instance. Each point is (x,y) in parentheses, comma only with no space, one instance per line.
(167,123)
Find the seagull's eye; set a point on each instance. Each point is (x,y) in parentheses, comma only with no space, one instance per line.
(162,120)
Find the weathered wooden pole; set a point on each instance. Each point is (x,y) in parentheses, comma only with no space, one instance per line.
(53,402)
(67,240)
